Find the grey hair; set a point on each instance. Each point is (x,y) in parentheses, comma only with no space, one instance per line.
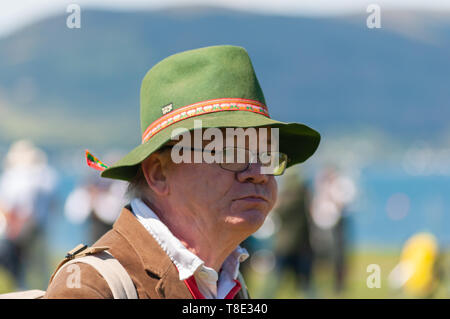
(137,186)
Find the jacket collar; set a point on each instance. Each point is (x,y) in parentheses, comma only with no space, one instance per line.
(154,259)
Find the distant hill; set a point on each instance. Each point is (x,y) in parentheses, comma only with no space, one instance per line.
(81,86)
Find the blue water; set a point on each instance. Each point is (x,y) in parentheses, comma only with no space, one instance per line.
(428,210)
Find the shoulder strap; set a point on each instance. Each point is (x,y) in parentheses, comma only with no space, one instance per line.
(111,270)
(79,251)
(27,294)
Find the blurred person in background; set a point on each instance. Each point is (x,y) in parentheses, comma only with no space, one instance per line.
(419,272)
(292,247)
(99,201)
(27,196)
(333,192)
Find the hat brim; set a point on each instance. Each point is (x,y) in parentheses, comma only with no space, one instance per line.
(298,141)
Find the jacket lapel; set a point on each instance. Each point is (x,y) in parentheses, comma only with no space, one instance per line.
(161,280)
(171,287)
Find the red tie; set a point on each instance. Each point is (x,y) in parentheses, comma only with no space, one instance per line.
(191,284)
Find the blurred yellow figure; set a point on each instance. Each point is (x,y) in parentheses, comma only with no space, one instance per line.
(416,271)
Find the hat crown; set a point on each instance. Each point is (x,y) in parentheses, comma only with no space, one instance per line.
(198,75)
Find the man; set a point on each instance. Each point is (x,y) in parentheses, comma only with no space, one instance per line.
(180,235)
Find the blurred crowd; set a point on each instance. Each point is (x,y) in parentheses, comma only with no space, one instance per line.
(311,231)
(308,230)
(29,197)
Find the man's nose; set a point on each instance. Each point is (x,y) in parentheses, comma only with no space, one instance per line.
(253,175)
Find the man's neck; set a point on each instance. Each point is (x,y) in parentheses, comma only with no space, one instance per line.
(210,244)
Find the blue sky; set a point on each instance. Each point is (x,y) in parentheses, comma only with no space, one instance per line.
(17,13)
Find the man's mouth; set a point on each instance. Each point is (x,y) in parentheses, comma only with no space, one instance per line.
(253,198)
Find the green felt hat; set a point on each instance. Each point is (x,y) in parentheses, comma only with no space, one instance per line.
(216,85)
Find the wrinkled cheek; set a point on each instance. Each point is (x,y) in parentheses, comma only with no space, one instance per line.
(208,187)
(184,184)
(219,183)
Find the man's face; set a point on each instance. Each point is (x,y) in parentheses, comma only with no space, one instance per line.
(218,198)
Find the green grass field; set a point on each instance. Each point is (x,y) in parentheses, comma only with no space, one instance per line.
(355,283)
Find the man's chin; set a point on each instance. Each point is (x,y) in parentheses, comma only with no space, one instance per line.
(250,220)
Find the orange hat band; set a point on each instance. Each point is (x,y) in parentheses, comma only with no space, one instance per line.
(210,106)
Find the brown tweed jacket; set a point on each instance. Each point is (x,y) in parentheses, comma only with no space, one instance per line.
(151,270)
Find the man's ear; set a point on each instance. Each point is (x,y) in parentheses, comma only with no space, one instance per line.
(155,171)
